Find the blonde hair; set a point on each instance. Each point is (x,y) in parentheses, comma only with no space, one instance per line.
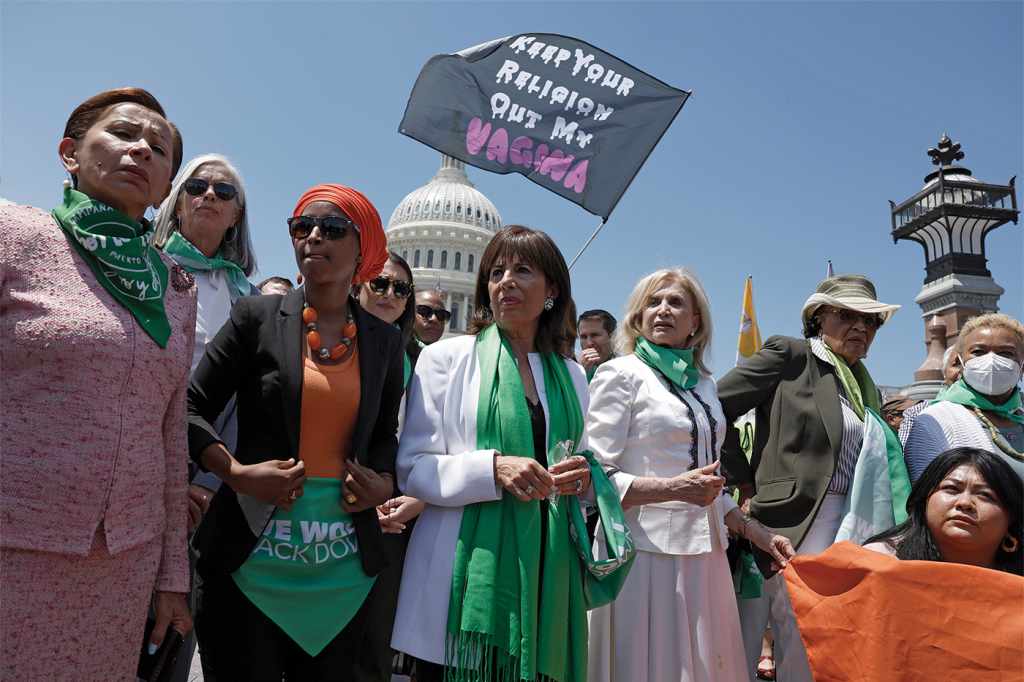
(632,324)
(994,321)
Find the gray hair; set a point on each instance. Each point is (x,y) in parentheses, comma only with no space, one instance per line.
(239,248)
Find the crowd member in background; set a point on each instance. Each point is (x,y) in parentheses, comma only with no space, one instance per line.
(203,226)
(595,328)
(389,296)
(431,317)
(894,408)
(95,361)
(810,397)
(275,285)
(966,507)
(983,408)
(950,373)
(290,552)
(483,411)
(655,422)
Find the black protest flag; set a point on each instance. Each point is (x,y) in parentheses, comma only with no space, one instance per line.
(570,117)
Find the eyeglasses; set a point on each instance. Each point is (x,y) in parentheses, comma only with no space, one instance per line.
(225,191)
(426,312)
(870,320)
(331,226)
(380,286)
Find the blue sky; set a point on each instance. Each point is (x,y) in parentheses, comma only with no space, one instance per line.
(806,119)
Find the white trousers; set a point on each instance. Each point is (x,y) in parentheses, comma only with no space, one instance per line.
(790,655)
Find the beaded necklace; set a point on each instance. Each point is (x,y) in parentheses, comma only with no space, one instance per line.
(997,437)
(321,353)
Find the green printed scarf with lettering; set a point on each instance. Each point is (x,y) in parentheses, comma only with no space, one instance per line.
(120,254)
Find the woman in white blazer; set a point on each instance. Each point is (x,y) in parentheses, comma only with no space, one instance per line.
(656,423)
(523,313)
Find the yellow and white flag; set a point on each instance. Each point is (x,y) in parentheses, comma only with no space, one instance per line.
(750,336)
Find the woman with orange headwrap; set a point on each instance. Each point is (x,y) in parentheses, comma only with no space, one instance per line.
(290,551)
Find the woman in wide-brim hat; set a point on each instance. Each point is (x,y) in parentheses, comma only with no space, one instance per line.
(817,422)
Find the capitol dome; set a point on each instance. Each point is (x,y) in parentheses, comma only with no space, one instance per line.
(442,229)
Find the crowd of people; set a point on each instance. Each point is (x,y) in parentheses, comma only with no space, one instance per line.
(333,492)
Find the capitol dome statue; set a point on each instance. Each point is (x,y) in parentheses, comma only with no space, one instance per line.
(442,229)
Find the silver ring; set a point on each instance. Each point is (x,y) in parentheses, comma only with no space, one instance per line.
(529,490)
(579,485)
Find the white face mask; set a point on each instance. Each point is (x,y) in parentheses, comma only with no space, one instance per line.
(991,374)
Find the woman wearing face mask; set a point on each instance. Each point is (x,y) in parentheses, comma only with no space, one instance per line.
(983,408)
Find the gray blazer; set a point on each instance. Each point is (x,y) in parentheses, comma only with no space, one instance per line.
(797,438)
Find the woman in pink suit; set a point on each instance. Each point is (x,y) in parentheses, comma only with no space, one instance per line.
(96,335)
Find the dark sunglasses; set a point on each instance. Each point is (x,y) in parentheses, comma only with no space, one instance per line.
(225,191)
(426,312)
(331,226)
(871,321)
(380,286)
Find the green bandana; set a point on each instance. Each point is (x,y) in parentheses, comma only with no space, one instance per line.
(119,253)
(675,363)
(858,384)
(962,394)
(192,259)
(495,629)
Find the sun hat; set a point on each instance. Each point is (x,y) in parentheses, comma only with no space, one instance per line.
(855,292)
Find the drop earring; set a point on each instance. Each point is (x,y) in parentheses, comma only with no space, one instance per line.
(549,303)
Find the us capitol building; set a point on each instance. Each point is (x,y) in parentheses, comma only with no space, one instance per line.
(442,229)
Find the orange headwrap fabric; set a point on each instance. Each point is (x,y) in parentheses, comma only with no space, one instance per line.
(373,243)
(868,616)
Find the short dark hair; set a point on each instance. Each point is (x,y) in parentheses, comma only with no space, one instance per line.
(407,319)
(283,281)
(93,109)
(606,318)
(556,329)
(912,538)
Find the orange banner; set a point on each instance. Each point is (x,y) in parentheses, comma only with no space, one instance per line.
(866,616)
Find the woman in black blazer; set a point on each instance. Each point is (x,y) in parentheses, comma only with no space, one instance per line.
(809,429)
(290,550)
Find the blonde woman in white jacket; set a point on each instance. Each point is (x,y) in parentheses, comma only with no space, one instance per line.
(655,422)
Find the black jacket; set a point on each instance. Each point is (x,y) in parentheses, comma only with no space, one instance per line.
(258,355)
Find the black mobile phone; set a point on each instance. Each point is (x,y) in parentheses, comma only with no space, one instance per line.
(159,666)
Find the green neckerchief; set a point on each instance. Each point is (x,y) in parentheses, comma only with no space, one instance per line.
(495,629)
(961,393)
(675,363)
(406,370)
(186,254)
(859,386)
(120,254)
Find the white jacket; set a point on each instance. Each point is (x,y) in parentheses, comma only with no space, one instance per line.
(636,427)
(438,463)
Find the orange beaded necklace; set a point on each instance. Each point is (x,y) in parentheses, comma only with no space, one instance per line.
(348,335)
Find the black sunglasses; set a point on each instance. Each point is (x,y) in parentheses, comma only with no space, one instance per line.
(331,226)
(871,321)
(426,312)
(380,286)
(225,191)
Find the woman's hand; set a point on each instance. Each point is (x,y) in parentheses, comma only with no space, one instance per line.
(700,486)
(363,488)
(523,477)
(778,546)
(198,503)
(171,608)
(572,475)
(394,514)
(277,482)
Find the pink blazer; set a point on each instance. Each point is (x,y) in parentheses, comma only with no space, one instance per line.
(92,410)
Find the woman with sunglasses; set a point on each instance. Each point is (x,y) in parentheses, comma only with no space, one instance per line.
(95,339)
(817,416)
(290,552)
(203,226)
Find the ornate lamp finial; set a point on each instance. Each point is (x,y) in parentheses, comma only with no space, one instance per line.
(946,152)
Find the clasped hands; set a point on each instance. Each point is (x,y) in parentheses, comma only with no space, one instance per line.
(280,482)
(525,478)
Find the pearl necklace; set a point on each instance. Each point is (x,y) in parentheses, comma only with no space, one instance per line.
(348,335)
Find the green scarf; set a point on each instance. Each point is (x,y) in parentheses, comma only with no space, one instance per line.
(857,382)
(962,394)
(406,370)
(120,254)
(675,363)
(495,629)
(192,259)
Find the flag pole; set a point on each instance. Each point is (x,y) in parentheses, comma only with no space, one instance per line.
(587,243)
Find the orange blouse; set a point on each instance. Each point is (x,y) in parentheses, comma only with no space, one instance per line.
(330,404)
